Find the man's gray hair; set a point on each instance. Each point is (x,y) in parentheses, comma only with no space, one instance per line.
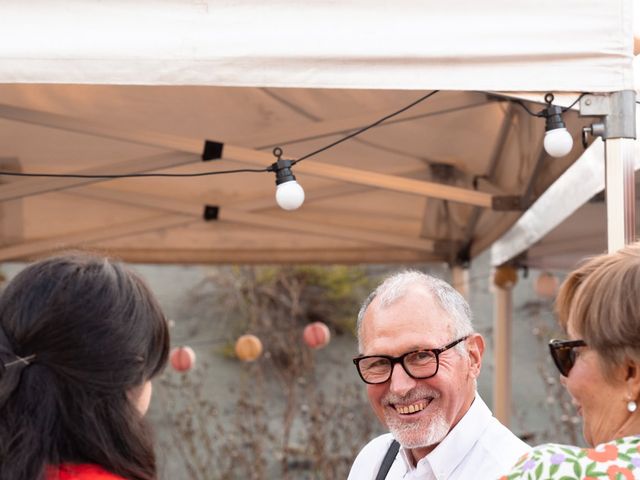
(448,298)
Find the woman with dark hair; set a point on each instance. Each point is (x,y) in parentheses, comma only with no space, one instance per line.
(80,338)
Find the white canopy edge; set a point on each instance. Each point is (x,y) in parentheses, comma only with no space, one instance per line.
(520,45)
(581,181)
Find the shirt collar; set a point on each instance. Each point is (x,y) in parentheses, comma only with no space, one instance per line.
(457,444)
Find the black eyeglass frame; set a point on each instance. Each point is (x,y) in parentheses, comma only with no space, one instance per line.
(556,346)
(393,360)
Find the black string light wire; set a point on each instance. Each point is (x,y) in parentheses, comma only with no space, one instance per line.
(364,129)
(223,172)
(548,98)
(132,175)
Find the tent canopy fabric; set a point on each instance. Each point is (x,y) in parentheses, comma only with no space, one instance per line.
(568,222)
(121,87)
(516,45)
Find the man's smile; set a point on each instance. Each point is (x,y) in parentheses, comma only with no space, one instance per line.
(412,408)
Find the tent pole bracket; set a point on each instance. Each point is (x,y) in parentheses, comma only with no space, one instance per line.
(503,203)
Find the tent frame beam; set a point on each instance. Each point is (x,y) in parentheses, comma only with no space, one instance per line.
(584,178)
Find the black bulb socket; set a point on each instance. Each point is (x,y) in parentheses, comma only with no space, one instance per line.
(553,117)
(283,171)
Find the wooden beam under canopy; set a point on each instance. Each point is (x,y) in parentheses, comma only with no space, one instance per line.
(226,214)
(250,156)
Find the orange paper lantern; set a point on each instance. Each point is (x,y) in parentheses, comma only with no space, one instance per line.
(316,335)
(547,285)
(248,348)
(182,359)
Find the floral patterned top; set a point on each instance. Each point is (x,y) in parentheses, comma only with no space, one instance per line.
(616,460)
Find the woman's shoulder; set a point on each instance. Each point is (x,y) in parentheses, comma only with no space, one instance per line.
(556,461)
(80,472)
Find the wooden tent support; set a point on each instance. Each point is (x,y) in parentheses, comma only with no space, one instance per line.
(504,280)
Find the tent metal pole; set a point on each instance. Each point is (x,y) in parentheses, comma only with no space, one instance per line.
(620,192)
(618,130)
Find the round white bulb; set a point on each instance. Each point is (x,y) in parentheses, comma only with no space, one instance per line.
(289,195)
(558,142)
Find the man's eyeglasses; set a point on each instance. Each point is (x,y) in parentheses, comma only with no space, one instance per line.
(419,364)
(563,354)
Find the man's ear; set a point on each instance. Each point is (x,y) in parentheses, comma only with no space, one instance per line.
(475,347)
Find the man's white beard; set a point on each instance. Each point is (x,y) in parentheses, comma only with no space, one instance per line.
(417,434)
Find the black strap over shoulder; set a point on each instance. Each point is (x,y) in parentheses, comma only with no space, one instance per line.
(388,459)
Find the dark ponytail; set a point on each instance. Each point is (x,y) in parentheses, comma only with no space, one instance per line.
(77,334)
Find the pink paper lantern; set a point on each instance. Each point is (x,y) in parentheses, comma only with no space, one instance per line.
(547,285)
(316,335)
(182,359)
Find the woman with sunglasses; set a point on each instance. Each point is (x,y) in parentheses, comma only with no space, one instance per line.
(599,307)
(80,338)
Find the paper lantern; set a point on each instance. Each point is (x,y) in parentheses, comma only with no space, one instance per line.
(547,285)
(248,348)
(505,277)
(316,335)
(182,359)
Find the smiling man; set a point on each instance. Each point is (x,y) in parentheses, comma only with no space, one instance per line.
(420,359)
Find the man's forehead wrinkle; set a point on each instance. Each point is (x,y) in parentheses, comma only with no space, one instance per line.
(392,296)
(430,331)
(430,301)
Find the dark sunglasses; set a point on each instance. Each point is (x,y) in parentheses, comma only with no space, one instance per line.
(563,354)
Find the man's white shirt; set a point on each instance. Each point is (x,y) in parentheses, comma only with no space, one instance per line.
(477,448)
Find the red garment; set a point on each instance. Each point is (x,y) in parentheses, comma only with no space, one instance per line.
(80,472)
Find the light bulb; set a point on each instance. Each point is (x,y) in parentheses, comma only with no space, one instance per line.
(558,142)
(289,195)
(557,139)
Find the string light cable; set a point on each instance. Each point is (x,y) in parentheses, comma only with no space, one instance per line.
(133,175)
(548,98)
(289,193)
(364,129)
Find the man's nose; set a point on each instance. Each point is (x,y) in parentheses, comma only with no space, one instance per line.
(401,382)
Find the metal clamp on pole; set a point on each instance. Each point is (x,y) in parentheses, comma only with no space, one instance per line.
(617,110)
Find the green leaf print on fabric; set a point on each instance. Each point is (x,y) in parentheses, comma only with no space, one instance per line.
(577,469)
(619,459)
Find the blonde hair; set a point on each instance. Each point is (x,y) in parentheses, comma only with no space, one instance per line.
(602,300)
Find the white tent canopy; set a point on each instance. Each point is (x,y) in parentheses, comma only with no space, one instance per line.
(97,87)
(516,45)
(130,87)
